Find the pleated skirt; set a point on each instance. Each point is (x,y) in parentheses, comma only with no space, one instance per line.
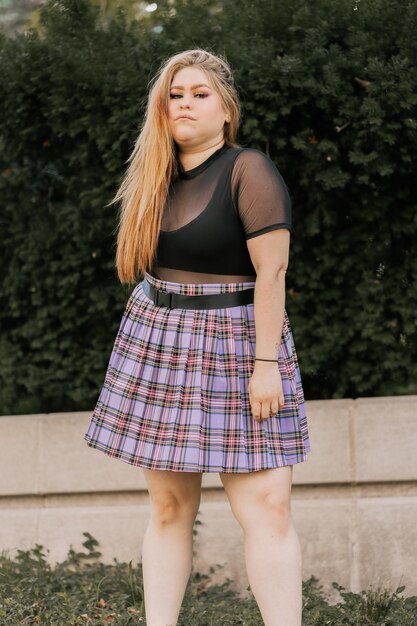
(175,393)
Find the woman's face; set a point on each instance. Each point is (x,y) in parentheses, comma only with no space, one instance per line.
(191,95)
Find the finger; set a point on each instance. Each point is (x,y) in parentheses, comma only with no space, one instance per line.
(275,407)
(256,411)
(266,410)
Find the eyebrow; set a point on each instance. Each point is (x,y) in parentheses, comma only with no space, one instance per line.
(193,86)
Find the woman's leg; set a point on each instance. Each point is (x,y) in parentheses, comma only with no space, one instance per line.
(260,501)
(167,550)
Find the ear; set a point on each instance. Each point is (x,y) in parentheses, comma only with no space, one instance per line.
(227,116)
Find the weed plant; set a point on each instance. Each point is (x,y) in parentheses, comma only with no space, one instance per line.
(82,591)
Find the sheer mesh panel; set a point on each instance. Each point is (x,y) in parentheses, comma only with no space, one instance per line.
(260,199)
(260,194)
(187,199)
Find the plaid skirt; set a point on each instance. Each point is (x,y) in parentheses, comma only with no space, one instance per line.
(175,391)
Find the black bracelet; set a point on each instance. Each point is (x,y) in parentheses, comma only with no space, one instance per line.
(269,360)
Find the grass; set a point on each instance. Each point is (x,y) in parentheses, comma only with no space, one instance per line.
(82,591)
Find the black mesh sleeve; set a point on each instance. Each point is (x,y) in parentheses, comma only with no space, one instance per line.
(260,194)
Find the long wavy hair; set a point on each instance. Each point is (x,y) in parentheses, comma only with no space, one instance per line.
(153,162)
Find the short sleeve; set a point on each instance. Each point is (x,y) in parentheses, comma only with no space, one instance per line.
(260,194)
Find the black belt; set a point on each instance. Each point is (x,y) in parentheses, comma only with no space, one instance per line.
(161,297)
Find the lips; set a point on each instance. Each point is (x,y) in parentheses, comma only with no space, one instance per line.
(185,117)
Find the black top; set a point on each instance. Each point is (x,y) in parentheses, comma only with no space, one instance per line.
(213,208)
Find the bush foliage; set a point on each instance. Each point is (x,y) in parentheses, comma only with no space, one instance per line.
(83,590)
(328,91)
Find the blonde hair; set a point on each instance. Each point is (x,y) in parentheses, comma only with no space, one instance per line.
(153,162)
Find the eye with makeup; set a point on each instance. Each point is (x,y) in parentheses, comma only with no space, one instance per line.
(178,95)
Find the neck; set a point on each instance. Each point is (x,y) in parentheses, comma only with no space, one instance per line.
(193,156)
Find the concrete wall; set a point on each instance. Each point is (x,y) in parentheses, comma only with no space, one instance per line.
(354,500)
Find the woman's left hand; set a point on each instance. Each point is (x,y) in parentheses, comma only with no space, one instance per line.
(265,390)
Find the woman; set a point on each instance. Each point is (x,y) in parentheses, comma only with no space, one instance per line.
(203,375)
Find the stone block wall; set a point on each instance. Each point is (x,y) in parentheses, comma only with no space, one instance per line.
(354,501)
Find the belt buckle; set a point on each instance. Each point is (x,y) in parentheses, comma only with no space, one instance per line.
(163,298)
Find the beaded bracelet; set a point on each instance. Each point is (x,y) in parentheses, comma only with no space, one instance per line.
(269,360)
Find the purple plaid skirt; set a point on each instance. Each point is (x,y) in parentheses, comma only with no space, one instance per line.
(175,391)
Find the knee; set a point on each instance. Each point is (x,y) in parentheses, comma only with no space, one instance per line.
(269,511)
(168,509)
(277,509)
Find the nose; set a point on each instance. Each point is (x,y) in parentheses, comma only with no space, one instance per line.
(185,102)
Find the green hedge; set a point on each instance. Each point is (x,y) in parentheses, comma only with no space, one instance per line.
(328,91)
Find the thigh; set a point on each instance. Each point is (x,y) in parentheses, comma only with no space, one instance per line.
(185,487)
(253,492)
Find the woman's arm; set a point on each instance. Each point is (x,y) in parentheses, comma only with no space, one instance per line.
(269,254)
